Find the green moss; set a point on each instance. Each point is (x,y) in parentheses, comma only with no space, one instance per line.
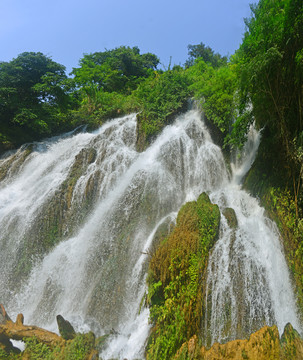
(176,278)
(8,356)
(290,341)
(80,348)
(37,351)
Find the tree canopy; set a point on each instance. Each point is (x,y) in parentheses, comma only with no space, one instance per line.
(206,53)
(119,69)
(271,65)
(31,88)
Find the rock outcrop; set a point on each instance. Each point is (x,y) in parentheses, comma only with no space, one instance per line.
(177,275)
(264,344)
(66,330)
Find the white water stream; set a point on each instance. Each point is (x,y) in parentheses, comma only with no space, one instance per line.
(95,277)
(248,282)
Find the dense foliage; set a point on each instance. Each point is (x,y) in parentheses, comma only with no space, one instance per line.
(271,68)
(33,94)
(38,99)
(118,70)
(216,90)
(205,53)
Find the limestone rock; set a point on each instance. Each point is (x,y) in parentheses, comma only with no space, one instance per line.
(14,331)
(20,319)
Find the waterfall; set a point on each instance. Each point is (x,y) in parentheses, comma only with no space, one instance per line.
(95,276)
(248,284)
(79,215)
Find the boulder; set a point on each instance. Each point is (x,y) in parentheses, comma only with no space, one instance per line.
(66,330)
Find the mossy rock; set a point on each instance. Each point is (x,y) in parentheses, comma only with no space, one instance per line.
(291,343)
(66,330)
(177,276)
(231,217)
(264,344)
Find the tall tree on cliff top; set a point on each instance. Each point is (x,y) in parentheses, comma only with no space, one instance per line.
(117,70)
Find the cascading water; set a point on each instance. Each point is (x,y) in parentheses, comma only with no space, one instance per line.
(96,204)
(248,284)
(96,275)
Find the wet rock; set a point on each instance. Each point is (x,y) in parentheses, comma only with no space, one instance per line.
(18,331)
(141,143)
(94,355)
(66,330)
(85,156)
(13,163)
(231,217)
(54,346)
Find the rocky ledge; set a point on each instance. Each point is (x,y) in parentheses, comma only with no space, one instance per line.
(44,344)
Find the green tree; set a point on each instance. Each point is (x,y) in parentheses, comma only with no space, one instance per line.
(117,70)
(206,53)
(32,90)
(270,63)
(161,96)
(216,90)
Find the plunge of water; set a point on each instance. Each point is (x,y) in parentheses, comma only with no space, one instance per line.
(103,203)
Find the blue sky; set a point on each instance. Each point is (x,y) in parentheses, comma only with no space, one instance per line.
(66,29)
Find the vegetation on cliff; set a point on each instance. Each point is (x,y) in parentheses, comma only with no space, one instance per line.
(270,65)
(33,97)
(176,278)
